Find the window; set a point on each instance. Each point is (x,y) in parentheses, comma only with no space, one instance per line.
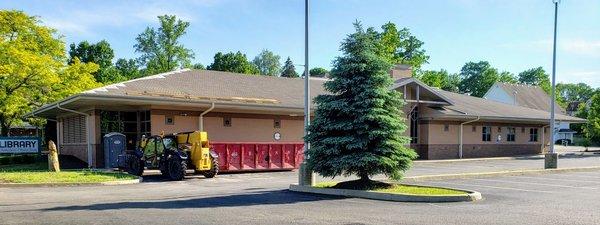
(474,129)
(74,130)
(486,133)
(169,120)
(227,121)
(499,129)
(533,134)
(510,136)
(522,129)
(414,125)
(446,127)
(277,123)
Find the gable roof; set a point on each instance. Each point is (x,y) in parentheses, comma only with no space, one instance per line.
(529,96)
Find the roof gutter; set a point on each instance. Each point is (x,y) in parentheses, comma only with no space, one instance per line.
(201,119)
(460,136)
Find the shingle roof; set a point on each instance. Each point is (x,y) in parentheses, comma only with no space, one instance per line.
(465,105)
(530,96)
(216,86)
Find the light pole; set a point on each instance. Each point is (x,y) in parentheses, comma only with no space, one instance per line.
(551,158)
(305,176)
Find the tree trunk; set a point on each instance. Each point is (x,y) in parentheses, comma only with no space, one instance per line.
(4,128)
(364,176)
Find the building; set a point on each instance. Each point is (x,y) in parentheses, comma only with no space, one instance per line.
(245,108)
(532,97)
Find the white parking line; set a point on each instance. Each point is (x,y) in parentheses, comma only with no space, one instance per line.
(532,183)
(557,179)
(494,187)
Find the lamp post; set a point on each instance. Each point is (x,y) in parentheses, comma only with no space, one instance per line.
(305,176)
(551,158)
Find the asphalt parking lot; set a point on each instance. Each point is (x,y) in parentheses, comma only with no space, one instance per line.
(262,198)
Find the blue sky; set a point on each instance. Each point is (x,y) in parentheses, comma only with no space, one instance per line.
(512,35)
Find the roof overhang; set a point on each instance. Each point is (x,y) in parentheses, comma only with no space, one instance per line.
(118,102)
(500,119)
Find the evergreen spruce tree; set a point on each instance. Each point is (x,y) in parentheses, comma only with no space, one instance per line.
(289,70)
(358,128)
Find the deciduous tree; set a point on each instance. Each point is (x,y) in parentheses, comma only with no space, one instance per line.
(536,76)
(359,127)
(318,72)
(400,46)
(160,48)
(233,62)
(477,78)
(33,68)
(267,63)
(99,53)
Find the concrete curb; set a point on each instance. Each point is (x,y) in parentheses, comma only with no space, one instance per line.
(471,196)
(498,174)
(107,183)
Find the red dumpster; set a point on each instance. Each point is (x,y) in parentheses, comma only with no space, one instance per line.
(258,156)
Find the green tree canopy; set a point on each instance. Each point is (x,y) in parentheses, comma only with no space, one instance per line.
(536,76)
(128,68)
(233,62)
(400,46)
(318,72)
(358,129)
(99,53)
(592,128)
(477,78)
(160,48)
(574,92)
(34,69)
(198,66)
(267,63)
(289,70)
(507,77)
(440,79)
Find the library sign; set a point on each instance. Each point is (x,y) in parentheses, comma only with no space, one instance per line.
(19,145)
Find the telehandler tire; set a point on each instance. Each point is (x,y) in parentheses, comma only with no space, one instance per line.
(214,169)
(176,168)
(135,166)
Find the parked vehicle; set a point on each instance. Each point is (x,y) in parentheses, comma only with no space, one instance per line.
(173,155)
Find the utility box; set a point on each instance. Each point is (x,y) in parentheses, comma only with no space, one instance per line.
(114,145)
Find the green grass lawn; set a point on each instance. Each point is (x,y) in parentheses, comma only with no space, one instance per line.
(404,189)
(38,173)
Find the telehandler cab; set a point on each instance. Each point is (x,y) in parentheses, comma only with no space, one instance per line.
(173,154)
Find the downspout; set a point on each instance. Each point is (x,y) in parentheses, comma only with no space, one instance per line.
(460,137)
(88,129)
(201,119)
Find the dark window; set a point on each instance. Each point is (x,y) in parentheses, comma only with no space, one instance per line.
(533,134)
(510,136)
(522,129)
(277,123)
(499,129)
(414,123)
(446,127)
(227,121)
(486,133)
(474,129)
(169,120)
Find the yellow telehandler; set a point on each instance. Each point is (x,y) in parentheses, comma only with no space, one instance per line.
(173,154)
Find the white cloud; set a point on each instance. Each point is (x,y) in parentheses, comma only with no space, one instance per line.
(588,77)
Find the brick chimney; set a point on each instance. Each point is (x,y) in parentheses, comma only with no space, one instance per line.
(400,71)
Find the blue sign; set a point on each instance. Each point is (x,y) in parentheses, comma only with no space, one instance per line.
(20,145)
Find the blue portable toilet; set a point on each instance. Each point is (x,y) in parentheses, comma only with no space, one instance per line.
(114,145)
